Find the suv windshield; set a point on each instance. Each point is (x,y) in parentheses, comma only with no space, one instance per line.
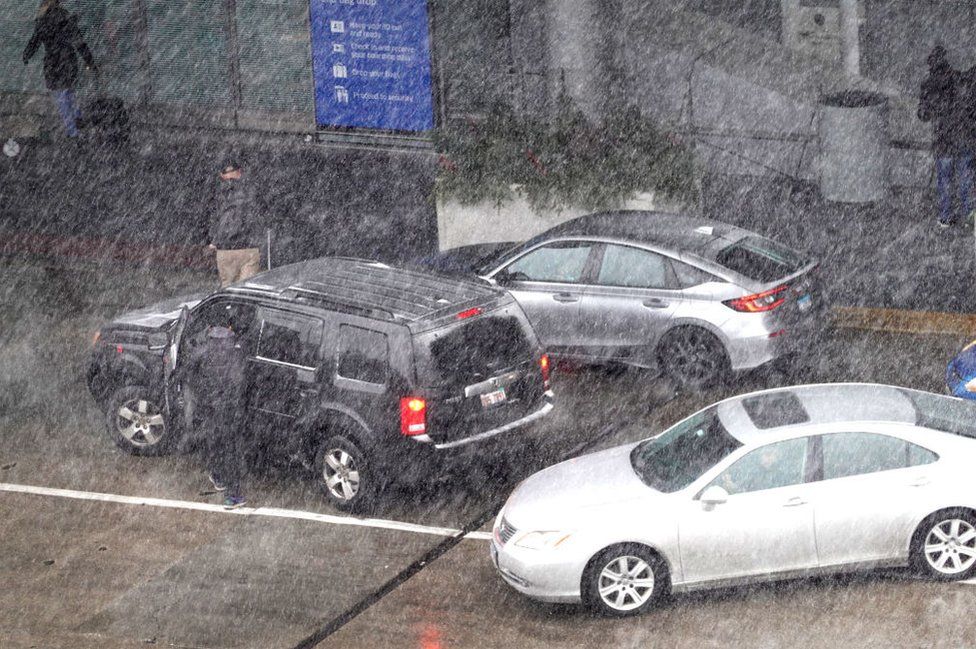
(760,259)
(680,455)
(479,349)
(947,414)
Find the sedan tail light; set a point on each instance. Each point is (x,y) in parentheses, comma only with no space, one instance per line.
(765,301)
(413,416)
(544,366)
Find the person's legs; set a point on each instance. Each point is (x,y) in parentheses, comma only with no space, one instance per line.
(65,100)
(231,463)
(964,176)
(227,267)
(250,263)
(943,180)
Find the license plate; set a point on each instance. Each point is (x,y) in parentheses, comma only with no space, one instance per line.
(804,302)
(492,398)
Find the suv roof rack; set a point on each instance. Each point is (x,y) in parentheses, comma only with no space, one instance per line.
(304,294)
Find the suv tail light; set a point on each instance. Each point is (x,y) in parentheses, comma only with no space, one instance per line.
(413,416)
(765,301)
(544,366)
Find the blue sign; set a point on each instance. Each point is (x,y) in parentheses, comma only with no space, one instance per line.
(371,61)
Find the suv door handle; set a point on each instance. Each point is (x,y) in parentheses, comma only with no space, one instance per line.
(795,501)
(565,297)
(655,303)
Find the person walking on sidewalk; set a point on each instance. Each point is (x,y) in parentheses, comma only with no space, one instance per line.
(940,102)
(57,30)
(217,382)
(234,226)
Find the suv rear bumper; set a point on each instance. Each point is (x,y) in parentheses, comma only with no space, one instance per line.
(539,413)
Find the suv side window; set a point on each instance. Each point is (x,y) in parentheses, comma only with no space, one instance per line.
(849,454)
(563,262)
(290,338)
(364,355)
(781,464)
(634,268)
(223,313)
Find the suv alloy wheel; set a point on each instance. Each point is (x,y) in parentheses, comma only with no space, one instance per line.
(136,422)
(344,474)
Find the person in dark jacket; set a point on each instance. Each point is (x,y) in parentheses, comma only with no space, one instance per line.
(217,381)
(940,102)
(234,226)
(57,30)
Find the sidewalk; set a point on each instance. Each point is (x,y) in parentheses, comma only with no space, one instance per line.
(887,256)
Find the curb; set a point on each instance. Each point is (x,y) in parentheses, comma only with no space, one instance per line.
(905,321)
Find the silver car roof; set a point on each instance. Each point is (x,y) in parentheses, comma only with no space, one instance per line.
(676,232)
(821,404)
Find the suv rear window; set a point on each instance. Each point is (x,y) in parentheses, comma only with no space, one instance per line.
(480,349)
(363,355)
(760,259)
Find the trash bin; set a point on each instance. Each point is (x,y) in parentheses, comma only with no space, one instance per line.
(853,138)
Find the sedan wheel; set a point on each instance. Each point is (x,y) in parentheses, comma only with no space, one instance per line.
(625,580)
(693,357)
(948,547)
(136,422)
(344,473)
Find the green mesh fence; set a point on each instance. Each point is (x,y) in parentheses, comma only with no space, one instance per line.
(275,55)
(188,52)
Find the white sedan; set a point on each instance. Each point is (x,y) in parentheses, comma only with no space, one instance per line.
(771,485)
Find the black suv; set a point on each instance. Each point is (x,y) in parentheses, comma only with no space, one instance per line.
(365,372)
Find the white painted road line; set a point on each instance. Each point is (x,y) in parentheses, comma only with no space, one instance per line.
(272,512)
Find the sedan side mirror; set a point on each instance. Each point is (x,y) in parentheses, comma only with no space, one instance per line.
(714,495)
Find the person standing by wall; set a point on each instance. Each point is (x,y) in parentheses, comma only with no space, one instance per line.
(234,226)
(940,103)
(57,30)
(217,382)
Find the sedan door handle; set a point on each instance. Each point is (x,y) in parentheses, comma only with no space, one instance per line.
(655,303)
(795,501)
(565,297)
(919,482)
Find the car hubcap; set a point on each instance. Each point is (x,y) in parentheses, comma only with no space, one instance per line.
(626,583)
(140,422)
(950,546)
(692,357)
(341,474)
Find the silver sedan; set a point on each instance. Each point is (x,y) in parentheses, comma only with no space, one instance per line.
(694,297)
(771,485)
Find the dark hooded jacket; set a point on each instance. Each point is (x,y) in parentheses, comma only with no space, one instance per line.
(216,377)
(58,31)
(940,102)
(235,223)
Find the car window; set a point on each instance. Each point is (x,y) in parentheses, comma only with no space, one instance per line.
(222,313)
(848,454)
(558,262)
(289,338)
(364,355)
(634,268)
(680,455)
(760,259)
(689,276)
(772,466)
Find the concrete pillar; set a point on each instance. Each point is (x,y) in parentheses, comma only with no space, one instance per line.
(791,23)
(574,30)
(849,37)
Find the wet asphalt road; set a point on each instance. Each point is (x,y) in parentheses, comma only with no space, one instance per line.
(84,573)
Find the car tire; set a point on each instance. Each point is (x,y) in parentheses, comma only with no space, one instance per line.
(137,423)
(693,358)
(625,580)
(345,474)
(944,545)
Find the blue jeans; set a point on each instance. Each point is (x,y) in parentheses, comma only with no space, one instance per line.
(957,168)
(68,109)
